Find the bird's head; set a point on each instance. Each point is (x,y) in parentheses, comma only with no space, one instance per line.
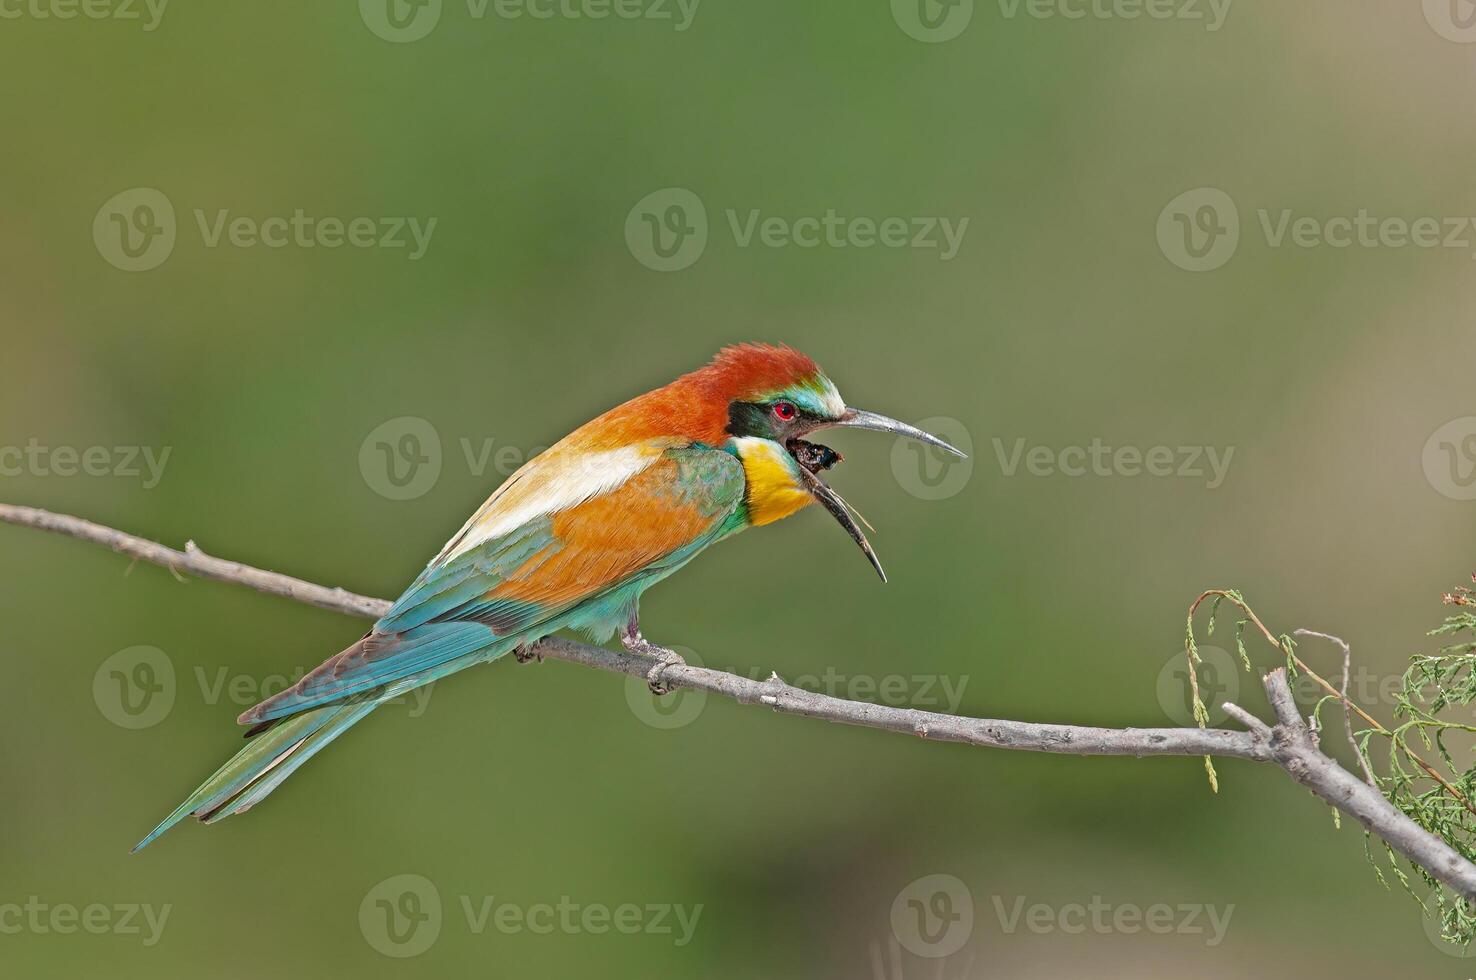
(772,398)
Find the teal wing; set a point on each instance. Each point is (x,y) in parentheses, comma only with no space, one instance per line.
(529,580)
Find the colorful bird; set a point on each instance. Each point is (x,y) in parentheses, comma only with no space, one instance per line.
(571,540)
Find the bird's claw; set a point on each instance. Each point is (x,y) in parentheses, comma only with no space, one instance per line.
(633,641)
(523,654)
(668,658)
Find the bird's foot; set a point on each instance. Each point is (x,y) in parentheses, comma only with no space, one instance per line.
(633,641)
(526,652)
(668,658)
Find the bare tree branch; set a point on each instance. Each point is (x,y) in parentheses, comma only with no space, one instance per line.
(192,559)
(1288,744)
(1292,749)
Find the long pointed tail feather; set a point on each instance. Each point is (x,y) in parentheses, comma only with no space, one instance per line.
(278,746)
(288,762)
(263,763)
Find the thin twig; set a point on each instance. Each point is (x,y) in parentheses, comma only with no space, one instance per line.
(1286,745)
(1246,718)
(1368,775)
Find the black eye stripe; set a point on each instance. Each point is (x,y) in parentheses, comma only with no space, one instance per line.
(759,418)
(747,419)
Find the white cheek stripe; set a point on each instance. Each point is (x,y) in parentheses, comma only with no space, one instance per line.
(547,486)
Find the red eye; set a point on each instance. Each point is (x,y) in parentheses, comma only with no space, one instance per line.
(784,411)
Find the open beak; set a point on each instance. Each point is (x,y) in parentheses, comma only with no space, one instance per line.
(856,418)
(832,502)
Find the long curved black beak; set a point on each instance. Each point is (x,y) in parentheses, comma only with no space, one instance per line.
(856,418)
(832,502)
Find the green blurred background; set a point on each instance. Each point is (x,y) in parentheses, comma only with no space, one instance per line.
(1061,320)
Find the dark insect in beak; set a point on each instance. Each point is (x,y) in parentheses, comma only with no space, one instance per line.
(814,458)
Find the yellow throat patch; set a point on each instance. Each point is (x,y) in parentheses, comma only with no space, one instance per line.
(774,491)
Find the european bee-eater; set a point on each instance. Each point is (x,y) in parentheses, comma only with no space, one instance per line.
(571,540)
